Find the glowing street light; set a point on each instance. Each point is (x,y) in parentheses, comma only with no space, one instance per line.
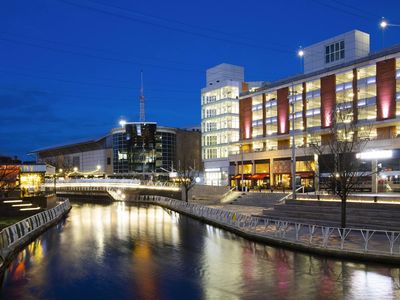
(122,123)
(383,24)
(98,167)
(60,170)
(75,169)
(300,54)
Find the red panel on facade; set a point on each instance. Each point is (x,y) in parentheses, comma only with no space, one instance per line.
(245,118)
(386,89)
(328,100)
(283,110)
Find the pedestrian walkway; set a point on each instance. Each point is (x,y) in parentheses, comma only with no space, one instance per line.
(354,243)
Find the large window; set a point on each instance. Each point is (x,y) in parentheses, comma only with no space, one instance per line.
(271,113)
(296,104)
(366,93)
(334,52)
(313,103)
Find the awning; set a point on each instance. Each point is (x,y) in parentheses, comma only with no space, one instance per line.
(239,176)
(305,174)
(259,176)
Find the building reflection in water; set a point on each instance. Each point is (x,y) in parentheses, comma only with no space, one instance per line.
(147,252)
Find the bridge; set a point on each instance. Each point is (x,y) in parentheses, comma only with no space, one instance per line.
(112,189)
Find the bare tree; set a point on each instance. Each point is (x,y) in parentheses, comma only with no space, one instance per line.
(8,179)
(187,175)
(342,173)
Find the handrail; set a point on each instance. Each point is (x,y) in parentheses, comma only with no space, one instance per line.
(291,194)
(346,240)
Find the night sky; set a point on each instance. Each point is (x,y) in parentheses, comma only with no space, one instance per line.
(70,69)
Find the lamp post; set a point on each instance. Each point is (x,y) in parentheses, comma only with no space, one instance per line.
(242,173)
(300,54)
(55,179)
(383,24)
(293,147)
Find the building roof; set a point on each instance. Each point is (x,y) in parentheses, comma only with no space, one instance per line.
(78,146)
(299,77)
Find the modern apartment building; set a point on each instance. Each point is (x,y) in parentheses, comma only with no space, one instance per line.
(220,119)
(339,73)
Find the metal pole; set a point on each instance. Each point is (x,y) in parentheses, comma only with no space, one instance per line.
(241,149)
(55,182)
(293,149)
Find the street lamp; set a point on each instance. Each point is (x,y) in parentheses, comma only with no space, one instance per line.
(300,54)
(242,175)
(383,25)
(293,96)
(75,169)
(122,123)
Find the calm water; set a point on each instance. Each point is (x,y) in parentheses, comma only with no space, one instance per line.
(147,252)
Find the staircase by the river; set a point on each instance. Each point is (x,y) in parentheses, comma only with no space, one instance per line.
(359,215)
(261,199)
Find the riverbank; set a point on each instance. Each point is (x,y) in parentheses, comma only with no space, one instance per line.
(348,243)
(15,237)
(8,221)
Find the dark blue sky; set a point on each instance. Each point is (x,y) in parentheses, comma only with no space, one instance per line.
(70,69)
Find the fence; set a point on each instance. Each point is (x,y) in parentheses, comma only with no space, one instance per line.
(12,234)
(350,240)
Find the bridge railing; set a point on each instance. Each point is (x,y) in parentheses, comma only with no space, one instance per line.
(12,234)
(104,185)
(354,240)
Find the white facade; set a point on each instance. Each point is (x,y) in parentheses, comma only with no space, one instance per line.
(337,50)
(220,120)
(90,160)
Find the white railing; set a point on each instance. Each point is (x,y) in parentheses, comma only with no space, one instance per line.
(93,180)
(104,184)
(290,194)
(346,240)
(12,234)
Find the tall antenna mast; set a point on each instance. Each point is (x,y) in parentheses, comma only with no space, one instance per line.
(141,98)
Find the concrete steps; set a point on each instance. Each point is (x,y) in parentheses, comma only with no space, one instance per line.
(360,215)
(258,199)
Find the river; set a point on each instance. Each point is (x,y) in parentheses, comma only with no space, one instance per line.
(118,251)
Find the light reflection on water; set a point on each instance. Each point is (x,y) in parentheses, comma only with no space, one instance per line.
(127,252)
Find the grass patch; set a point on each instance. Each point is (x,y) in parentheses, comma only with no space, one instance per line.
(7,221)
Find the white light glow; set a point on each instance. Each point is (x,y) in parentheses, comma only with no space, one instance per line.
(122,123)
(173,174)
(383,24)
(381,154)
(212,170)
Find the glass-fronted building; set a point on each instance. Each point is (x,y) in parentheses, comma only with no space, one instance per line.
(144,148)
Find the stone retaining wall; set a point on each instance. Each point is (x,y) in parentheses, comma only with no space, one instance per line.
(18,235)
